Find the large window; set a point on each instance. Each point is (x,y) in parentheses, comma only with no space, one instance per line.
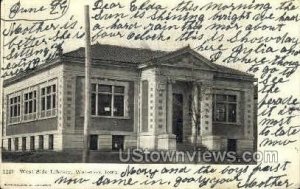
(108,100)
(14,109)
(30,105)
(225,108)
(48,101)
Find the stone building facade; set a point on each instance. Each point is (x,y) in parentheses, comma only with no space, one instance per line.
(139,99)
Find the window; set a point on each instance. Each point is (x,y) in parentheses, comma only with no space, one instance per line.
(14,109)
(93,142)
(48,101)
(50,142)
(9,144)
(108,100)
(225,108)
(16,144)
(41,142)
(117,142)
(23,143)
(30,105)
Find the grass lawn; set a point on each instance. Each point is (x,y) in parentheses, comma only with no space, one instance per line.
(95,157)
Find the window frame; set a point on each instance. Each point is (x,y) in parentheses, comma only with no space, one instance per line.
(227,103)
(38,115)
(15,119)
(33,115)
(114,84)
(52,111)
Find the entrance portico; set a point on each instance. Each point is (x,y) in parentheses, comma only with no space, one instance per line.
(171,97)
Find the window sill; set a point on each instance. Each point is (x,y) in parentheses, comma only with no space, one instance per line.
(31,120)
(227,123)
(15,123)
(48,117)
(110,117)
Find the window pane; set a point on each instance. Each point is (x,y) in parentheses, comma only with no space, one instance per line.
(93,104)
(16,144)
(43,91)
(119,105)
(104,104)
(221,97)
(30,107)
(15,110)
(231,98)
(48,89)
(26,96)
(221,112)
(11,101)
(232,112)
(43,103)
(53,88)
(104,88)
(26,108)
(93,87)
(51,142)
(48,106)
(34,105)
(19,109)
(30,95)
(119,89)
(53,101)
(11,111)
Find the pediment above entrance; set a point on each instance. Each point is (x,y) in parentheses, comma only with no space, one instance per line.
(187,60)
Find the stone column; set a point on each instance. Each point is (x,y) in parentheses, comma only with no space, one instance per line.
(147,136)
(247,142)
(136,106)
(167,140)
(169,108)
(195,111)
(209,140)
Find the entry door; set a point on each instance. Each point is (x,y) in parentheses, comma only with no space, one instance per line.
(93,142)
(178,116)
(231,145)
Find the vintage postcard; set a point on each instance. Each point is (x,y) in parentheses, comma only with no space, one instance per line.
(150,94)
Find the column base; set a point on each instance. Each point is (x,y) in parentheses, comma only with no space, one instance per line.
(245,145)
(147,141)
(130,142)
(214,143)
(166,142)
